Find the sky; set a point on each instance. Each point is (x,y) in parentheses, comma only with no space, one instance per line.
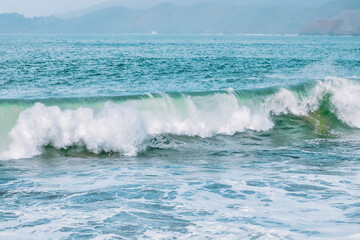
(31,8)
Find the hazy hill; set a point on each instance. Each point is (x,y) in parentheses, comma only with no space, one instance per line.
(108,20)
(346,22)
(335,18)
(16,23)
(146,4)
(213,17)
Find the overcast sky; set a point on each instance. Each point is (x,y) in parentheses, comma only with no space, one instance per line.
(32,8)
(43,7)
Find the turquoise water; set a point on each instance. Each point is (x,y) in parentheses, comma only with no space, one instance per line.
(179,137)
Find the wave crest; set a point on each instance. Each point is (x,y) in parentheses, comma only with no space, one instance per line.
(123,127)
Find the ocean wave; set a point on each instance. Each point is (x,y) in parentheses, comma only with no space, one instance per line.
(124,126)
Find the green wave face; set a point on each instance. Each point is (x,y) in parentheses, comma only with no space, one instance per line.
(125,124)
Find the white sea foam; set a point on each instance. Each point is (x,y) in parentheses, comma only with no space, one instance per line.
(123,127)
(345,99)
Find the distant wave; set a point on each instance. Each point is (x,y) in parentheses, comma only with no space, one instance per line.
(123,125)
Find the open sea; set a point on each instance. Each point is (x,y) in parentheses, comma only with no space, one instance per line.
(179,137)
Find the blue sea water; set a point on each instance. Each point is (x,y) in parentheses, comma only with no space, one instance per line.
(179,137)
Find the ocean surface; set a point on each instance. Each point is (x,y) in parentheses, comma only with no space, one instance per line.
(179,137)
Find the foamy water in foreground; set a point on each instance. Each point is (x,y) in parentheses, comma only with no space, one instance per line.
(178,137)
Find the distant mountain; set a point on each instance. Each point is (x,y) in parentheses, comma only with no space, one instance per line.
(16,23)
(108,20)
(335,18)
(79,13)
(146,4)
(346,22)
(214,18)
(203,18)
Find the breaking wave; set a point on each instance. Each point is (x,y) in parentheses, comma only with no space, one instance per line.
(123,125)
